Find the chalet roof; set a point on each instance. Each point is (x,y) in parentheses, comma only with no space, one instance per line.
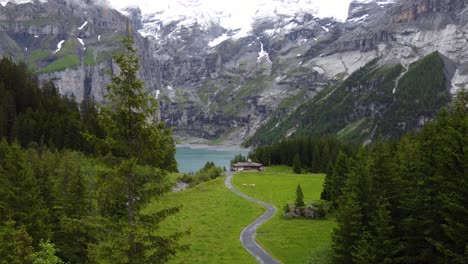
(247,164)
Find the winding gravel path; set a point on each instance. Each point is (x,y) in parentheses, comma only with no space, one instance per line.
(247,236)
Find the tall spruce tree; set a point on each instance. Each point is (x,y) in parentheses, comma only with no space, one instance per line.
(338,177)
(452,177)
(325,195)
(142,150)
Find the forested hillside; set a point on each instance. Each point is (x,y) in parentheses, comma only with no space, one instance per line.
(73,180)
(31,112)
(375,101)
(405,201)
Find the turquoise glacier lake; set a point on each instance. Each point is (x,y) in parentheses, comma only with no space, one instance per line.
(192,160)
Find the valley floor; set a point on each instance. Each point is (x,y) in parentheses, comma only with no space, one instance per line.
(289,240)
(216,217)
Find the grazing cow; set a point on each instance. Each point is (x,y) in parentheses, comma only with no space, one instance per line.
(244,185)
(252,185)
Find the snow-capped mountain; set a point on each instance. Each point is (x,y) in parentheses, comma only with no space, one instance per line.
(236,17)
(224,69)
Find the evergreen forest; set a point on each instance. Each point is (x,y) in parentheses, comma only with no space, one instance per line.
(312,154)
(405,201)
(74,178)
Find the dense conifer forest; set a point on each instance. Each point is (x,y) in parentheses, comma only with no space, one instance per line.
(395,201)
(74,179)
(405,201)
(314,154)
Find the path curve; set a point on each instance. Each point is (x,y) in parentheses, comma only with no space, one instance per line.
(247,236)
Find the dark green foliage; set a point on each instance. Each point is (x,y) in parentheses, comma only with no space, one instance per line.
(30,113)
(297,167)
(39,198)
(238,158)
(339,174)
(208,172)
(322,207)
(87,209)
(20,196)
(140,153)
(299,197)
(421,92)
(325,195)
(46,255)
(313,153)
(16,244)
(406,201)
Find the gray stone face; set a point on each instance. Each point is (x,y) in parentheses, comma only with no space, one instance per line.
(225,91)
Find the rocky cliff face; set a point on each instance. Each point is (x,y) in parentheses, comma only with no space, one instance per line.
(68,42)
(222,84)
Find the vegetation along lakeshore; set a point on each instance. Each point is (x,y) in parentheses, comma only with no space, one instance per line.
(253,131)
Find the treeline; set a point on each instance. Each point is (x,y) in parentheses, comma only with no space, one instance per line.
(405,201)
(313,154)
(31,113)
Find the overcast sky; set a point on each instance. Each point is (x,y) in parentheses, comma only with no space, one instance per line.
(239,9)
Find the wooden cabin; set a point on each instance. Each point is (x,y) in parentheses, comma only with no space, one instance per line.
(247,166)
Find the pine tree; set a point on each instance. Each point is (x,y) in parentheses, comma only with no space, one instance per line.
(299,197)
(297,167)
(20,196)
(355,210)
(325,195)
(349,230)
(46,254)
(15,244)
(339,177)
(451,173)
(143,151)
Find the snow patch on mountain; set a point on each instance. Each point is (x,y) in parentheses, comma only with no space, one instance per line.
(82,43)
(84,25)
(18,2)
(358,19)
(218,40)
(59,46)
(231,15)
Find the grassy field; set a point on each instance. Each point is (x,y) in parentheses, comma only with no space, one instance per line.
(289,240)
(216,216)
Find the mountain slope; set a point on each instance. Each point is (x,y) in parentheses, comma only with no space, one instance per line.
(219,82)
(376,100)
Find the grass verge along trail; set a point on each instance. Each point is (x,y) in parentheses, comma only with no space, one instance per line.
(216,217)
